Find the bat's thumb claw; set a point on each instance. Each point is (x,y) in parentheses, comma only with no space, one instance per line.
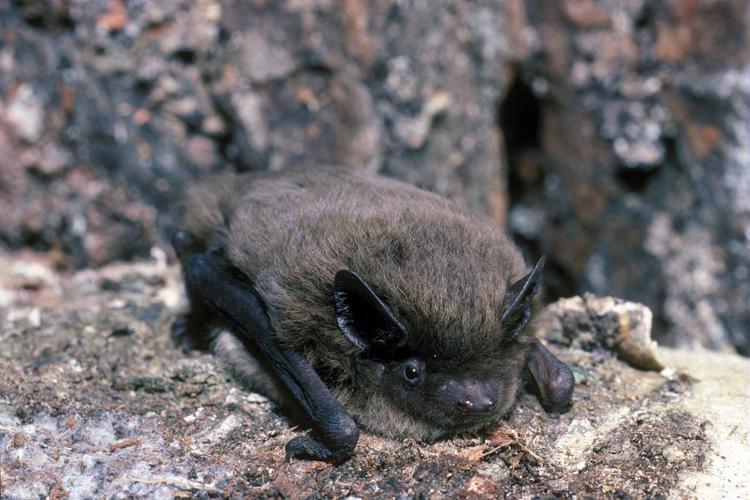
(182,241)
(306,448)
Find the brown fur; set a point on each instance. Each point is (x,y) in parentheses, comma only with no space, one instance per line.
(443,271)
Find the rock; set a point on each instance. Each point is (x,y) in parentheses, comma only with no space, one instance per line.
(68,426)
(414,132)
(18,440)
(263,59)
(203,153)
(25,113)
(116,17)
(586,13)
(589,322)
(32,274)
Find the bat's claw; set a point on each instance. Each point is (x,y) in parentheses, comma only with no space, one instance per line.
(307,448)
(183,242)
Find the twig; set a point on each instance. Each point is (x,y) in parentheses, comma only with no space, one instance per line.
(515,439)
(496,448)
(526,450)
(185,485)
(124,444)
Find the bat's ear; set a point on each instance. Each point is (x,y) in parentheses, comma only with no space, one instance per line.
(364,319)
(520,297)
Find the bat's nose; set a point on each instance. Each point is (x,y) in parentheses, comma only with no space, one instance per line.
(471,396)
(479,404)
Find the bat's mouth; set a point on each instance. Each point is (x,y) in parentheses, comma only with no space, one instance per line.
(456,420)
(475,418)
(474,423)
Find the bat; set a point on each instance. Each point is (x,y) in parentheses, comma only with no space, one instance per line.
(353,300)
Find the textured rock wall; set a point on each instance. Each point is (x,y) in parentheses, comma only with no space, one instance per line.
(109,107)
(625,125)
(633,172)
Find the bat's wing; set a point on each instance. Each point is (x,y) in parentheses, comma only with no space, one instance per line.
(211,279)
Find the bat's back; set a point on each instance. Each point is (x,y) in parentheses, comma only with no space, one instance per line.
(440,267)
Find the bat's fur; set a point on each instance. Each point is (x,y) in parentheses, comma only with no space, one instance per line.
(442,270)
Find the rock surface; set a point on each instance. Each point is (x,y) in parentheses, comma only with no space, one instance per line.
(107,108)
(95,401)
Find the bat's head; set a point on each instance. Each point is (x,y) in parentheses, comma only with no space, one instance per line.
(451,389)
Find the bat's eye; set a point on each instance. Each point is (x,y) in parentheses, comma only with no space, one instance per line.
(412,371)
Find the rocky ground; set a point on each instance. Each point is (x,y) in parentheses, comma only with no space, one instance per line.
(95,402)
(611,135)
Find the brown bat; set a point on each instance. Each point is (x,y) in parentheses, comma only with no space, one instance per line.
(355,300)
